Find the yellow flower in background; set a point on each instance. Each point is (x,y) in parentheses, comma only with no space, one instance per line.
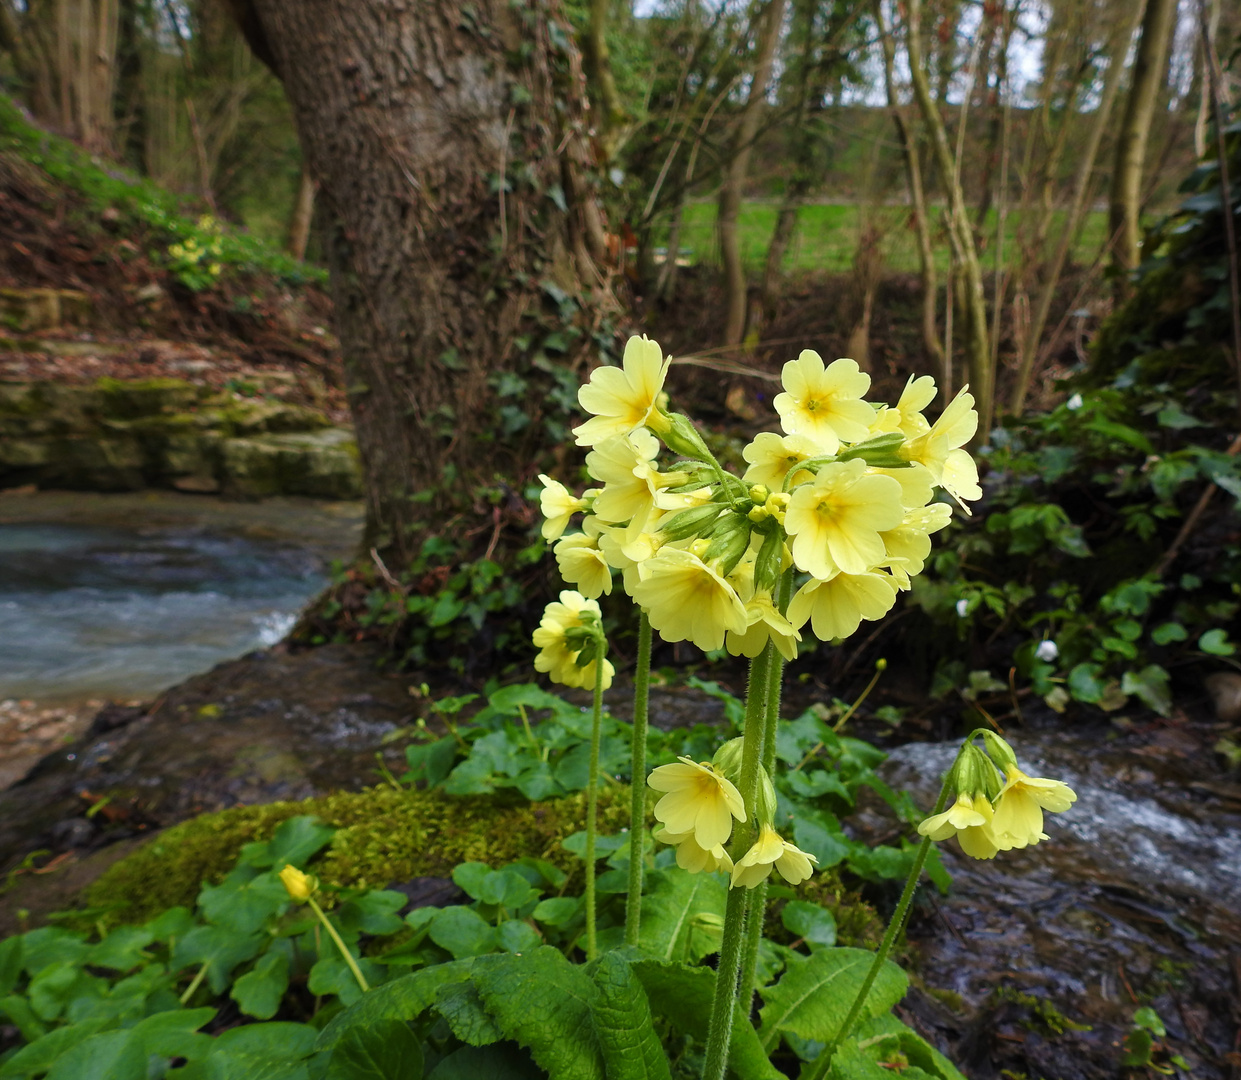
(299,886)
(771,849)
(698,801)
(772,456)
(835,522)
(940,449)
(582,562)
(969,818)
(824,404)
(765,624)
(836,606)
(558,504)
(686,600)
(692,857)
(1019,808)
(557,658)
(623,399)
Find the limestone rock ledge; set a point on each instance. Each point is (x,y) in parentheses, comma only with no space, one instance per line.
(124,435)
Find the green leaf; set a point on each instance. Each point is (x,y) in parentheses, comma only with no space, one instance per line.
(122,949)
(374,912)
(259,991)
(172,1033)
(815,924)
(220,949)
(1216,643)
(557,910)
(430,762)
(275,1040)
(1085,684)
(50,945)
(1150,685)
(402,999)
(243,903)
(622,1017)
(1123,433)
(543,1002)
(114,1055)
(518,936)
(384,1050)
(174,923)
(813,998)
(469,878)
(39,1055)
(10,963)
(815,837)
(682,996)
(1146,1017)
(332,975)
(502,1062)
(18,1010)
(53,988)
(506,889)
(672,915)
(463,932)
(460,1005)
(293,843)
(1166,633)
(882,1031)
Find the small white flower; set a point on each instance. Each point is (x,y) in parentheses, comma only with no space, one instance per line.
(1075,402)
(963,607)
(1047,651)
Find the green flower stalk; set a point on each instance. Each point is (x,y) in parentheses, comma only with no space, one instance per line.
(637,805)
(301,888)
(592,790)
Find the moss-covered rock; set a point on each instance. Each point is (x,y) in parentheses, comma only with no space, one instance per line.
(128,434)
(384,836)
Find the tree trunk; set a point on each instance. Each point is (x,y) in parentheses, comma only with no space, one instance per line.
(303,214)
(931,344)
(1126,196)
(965,255)
(437,132)
(735,173)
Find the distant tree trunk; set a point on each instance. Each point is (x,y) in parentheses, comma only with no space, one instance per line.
(1149,68)
(436,132)
(971,296)
(611,125)
(303,214)
(735,173)
(931,344)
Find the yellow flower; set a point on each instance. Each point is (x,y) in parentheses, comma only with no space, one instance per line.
(909,543)
(970,820)
(765,624)
(824,404)
(686,600)
(582,563)
(940,451)
(630,481)
(906,416)
(835,522)
(1019,808)
(698,801)
(299,886)
(836,606)
(556,657)
(771,456)
(771,849)
(558,505)
(692,857)
(625,398)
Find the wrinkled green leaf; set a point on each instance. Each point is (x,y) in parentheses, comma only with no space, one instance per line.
(670,911)
(460,1005)
(622,1017)
(383,1050)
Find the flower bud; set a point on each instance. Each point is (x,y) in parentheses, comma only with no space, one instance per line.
(759,494)
(299,886)
(1001,753)
(687,523)
(766,809)
(681,437)
(727,759)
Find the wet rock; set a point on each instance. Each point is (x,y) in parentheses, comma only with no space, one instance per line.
(32,310)
(269,726)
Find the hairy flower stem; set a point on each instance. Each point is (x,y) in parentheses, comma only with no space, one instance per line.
(758,902)
(344,952)
(724,1003)
(592,795)
(897,923)
(637,803)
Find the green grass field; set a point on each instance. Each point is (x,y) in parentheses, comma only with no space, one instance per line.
(827,236)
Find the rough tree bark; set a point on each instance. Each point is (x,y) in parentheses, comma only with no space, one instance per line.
(444,137)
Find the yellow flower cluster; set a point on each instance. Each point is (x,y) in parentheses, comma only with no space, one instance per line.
(697,812)
(989,816)
(564,636)
(843,494)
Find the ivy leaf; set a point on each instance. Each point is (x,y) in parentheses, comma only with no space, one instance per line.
(402,999)
(46,946)
(173,1033)
(122,949)
(220,949)
(631,1050)
(332,975)
(1216,643)
(813,998)
(242,903)
(295,841)
(259,991)
(544,1002)
(682,996)
(384,1050)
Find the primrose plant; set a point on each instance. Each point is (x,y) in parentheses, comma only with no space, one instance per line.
(830,521)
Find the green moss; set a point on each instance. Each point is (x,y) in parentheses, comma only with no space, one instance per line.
(1044,1018)
(385,836)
